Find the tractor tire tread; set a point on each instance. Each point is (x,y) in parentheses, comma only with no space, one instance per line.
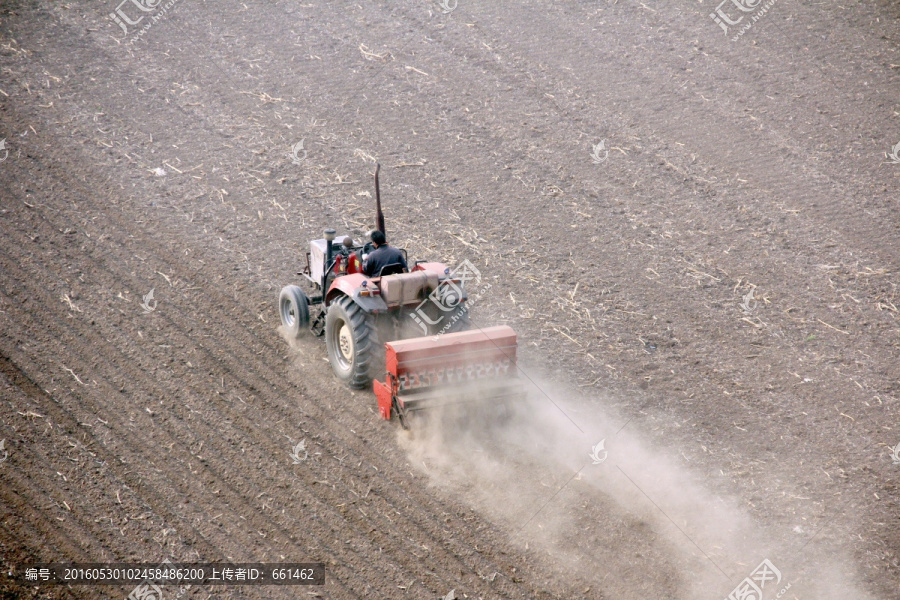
(362,369)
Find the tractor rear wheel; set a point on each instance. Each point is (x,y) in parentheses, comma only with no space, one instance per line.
(352,343)
(293,306)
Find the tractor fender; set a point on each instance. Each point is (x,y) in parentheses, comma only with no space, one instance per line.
(432,267)
(351,286)
(442,272)
(370,304)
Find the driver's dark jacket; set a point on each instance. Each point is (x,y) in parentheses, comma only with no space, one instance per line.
(381,257)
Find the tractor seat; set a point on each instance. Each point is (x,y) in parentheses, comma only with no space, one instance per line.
(407,288)
(391,269)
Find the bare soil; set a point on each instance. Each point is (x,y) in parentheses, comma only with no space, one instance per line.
(738,426)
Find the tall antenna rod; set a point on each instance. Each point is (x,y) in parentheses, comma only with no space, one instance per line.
(379,216)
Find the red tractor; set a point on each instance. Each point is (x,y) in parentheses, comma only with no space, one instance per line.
(405,329)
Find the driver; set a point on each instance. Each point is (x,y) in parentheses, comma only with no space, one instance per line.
(382,256)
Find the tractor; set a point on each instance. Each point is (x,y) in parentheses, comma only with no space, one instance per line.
(404,331)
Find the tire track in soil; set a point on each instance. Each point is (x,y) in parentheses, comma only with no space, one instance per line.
(66,421)
(62,539)
(40,482)
(236,498)
(31,525)
(23,497)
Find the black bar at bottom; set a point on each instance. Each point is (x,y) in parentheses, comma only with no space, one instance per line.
(169,573)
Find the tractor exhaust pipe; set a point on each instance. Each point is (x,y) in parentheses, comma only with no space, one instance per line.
(329,255)
(379,216)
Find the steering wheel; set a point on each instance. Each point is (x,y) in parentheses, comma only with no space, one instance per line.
(366,249)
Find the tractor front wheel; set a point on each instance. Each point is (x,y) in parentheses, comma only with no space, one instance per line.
(351,341)
(293,306)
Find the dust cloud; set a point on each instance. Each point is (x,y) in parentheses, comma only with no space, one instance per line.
(620,519)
